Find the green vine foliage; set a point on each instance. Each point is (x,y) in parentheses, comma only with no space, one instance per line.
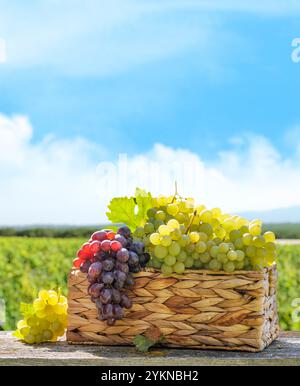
(29,264)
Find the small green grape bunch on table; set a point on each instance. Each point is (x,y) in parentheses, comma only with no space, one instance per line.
(45,320)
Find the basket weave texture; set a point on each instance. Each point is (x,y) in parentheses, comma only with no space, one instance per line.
(200,309)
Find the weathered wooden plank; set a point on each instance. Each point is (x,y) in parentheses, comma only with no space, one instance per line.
(284,352)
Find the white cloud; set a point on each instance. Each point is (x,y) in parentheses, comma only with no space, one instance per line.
(67,181)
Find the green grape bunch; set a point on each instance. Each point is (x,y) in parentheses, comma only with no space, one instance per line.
(45,320)
(180,235)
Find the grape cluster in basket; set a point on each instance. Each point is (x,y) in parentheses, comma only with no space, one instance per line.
(109,259)
(179,235)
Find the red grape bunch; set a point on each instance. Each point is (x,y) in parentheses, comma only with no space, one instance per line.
(109,259)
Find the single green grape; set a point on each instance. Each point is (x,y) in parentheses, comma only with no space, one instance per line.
(47,335)
(271,246)
(232,255)
(214,265)
(179,267)
(216,212)
(195,255)
(32,321)
(244,229)
(201,247)
(189,262)
(148,228)
(269,237)
(217,241)
(206,216)
(194,237)
(234,235)
(215,223)
(240,255)
(258,241)
(190,248)
(156,263)
(239,265)
(242,224)
(160,251)
(206,228)
(214,250)
(166,269)
(146,241)
(229,225)
(30,339)
(176,234)
(229,266)
(172,209)
(170,260)
(205,257)
(155,238)
(255,229)
(182,256)
(222,258)
(202,236)
(182,217)
(239,243)
(158,223)
(247,239)
(164,230)
(183,241)
(173,224)
(251,251)
(182,205)
(151,212)
(223,247)
(160,215)
(210,244)
(166,241)
(162,200)
(139,232)
(174,249)
(197,264)
(261,253)
(220,232)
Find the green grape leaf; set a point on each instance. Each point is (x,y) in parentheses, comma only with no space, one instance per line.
(144,201)
(122,210)
(131,211)
(26,309)
(142,343)
(151,337)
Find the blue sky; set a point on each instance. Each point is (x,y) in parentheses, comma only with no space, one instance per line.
(214,78)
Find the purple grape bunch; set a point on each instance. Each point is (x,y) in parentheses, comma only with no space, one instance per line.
(109,271)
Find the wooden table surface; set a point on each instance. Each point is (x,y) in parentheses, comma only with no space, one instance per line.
(285,351)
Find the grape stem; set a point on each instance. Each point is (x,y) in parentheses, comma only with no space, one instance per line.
(176,193)
(191,222)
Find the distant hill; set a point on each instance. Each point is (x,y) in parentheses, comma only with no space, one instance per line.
(280,215)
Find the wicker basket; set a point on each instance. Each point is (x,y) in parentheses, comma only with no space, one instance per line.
(200,309)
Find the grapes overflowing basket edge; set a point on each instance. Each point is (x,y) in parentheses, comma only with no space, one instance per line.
(201,309)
